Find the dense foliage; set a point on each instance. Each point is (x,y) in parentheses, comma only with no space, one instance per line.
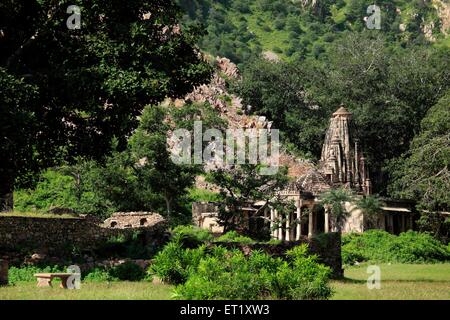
(423,171)
(380,246)
(68,92)
(295,30)
(240,185)
(142,177)
(218,273)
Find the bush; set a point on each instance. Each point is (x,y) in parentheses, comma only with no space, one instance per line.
(132,246)
(26,274)
(127,271)
(233,236)
(99,275)
(173,263)
(380,246)
(229,274)
(190,236)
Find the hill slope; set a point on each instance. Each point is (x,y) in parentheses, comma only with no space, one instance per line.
(296,29)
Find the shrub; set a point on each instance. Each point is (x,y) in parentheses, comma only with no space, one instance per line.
(233,236)
(190,236)
(173,263)
(227,277)
(127,271)
(229,274)
(380,246)
(99,275)
(26,274)
(132,246)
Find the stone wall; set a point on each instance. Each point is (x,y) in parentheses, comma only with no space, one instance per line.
(62,235)
(3,272)
(326,246)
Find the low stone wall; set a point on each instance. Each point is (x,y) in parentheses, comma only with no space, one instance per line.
(62,236)
(326,246)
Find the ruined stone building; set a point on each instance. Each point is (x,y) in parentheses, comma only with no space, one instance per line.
(342,164)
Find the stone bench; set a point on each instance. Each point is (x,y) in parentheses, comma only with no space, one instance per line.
(45,279)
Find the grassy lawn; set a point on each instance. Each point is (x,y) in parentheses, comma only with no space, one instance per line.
(398,281)
(89,291)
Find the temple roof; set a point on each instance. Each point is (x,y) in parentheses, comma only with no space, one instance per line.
(342,112)
(312,181)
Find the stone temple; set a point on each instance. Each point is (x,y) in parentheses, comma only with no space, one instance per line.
(342,164)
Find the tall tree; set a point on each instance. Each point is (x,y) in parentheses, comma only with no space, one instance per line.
(155,171)
(240,186)
(78,88)
(423,173)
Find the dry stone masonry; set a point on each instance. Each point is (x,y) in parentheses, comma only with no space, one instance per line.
(63,235)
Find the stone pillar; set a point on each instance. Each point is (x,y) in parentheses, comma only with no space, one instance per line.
(3,272)
(280,226)
(327,219)
(310,224)
(299,224)
(288,229)
(272,223)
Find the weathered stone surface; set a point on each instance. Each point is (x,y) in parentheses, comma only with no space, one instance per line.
(62,235)
(3,272)
(123,220)
(342,162)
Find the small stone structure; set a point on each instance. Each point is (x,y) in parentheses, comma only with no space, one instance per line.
(124,220)
(204,215)
(3,272)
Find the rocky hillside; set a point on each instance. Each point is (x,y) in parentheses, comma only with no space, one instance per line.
(232,110)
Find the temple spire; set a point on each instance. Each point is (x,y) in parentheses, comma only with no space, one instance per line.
(341,160)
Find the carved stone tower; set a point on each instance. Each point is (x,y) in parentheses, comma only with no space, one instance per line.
(342,162)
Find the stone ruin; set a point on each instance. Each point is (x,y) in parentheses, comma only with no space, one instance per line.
(125,220)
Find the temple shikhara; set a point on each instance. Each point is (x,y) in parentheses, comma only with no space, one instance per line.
(342,165)
(342,162)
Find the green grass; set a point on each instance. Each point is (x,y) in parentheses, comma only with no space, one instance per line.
(398,282)
(89,291)
(36,215)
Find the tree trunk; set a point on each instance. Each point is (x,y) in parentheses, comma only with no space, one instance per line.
(168,207)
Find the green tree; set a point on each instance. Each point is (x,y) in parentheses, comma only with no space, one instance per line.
(154,169)
(78,88)
(242,185)
(423,174)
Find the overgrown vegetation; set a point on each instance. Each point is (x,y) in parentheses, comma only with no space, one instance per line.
(380,246)
(219,273)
